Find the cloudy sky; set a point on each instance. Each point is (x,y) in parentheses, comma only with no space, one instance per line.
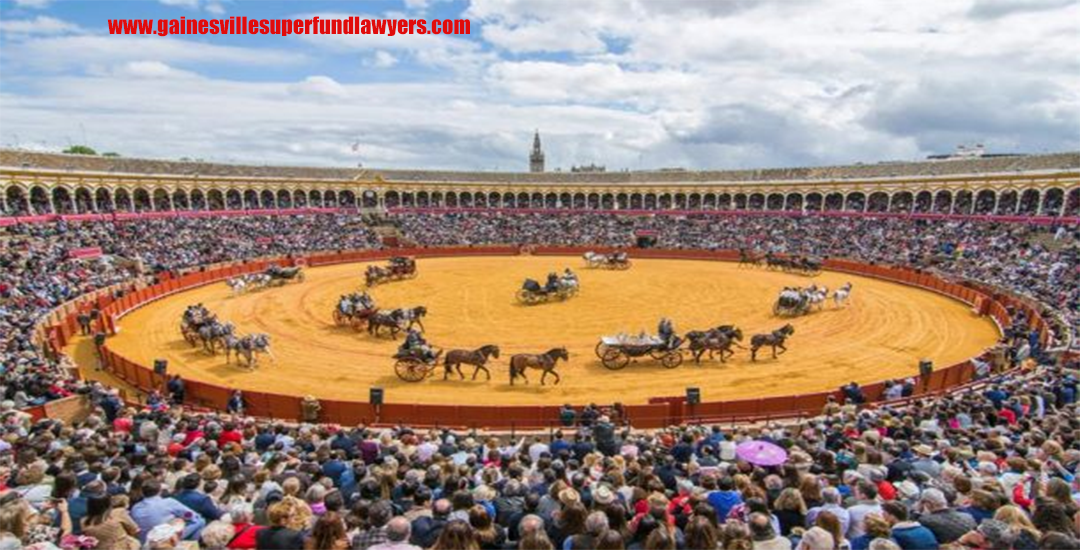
(630,84)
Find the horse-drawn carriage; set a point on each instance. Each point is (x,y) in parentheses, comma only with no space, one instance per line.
(532,292)
(280,275)
(615,260)
(353,310)
(396,269)
(802,265)
(414,365)
(615,352)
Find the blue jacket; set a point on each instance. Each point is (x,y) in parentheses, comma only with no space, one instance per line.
(723,502)
(912,536)
(200,503)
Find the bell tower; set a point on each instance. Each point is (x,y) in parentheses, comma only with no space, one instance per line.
(536,157)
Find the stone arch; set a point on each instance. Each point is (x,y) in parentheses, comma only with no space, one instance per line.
(878,202)
(16,201)
(140,199)
(61,201)
(793,202)
(162,202)
(103,199)
(84,201)
(963,201)
(901,202)
(123,200)
(924,202)
(1029,202)
(986,202)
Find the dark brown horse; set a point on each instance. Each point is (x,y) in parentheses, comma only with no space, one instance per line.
(720,339)
(545,361)
(392,320)
(774,339)
(477,358)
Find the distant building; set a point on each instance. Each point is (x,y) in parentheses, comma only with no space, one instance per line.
(591,168)
(536,158)
(964,152)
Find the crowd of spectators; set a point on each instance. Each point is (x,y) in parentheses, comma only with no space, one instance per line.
(994,467)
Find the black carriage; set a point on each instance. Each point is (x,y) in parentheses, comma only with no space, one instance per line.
(397,268)
(414,365)
(357,319)
(616,352)
(280,275)
(532,292)
(802,265)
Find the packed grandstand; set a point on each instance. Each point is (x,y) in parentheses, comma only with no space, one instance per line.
(992,464)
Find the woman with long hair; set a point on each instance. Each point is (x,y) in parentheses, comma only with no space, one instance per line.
(701,534)
(328,533)
(457,535)
(112,527)
(790,510)
(1027,536)
(829,522)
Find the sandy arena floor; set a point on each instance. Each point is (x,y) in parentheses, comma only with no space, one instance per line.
(882,334)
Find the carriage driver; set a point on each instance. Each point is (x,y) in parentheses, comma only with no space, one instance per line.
(365,301)
(416,346)
(569,276)
(666,331)
(552,282)
(345,306)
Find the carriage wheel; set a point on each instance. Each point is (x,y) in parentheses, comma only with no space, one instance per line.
(411,370)
(776,309)
(624,266)
(658,354)
(601,349)
(671,360)
(615,359)
(411,274)
(524,296)
(339,318)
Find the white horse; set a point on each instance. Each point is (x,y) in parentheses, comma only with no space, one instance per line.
(817,296)
(238,285)
(592,259)
(840,297)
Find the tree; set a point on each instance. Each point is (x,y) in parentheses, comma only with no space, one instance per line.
(80,150)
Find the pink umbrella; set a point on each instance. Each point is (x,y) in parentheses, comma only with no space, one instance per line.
(761,453)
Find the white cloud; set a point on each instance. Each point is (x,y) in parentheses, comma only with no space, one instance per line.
(40,25)
(319,86)
(150,69)
(381,59)
(33,4)
(81,51)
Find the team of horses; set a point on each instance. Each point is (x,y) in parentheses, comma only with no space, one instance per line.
(201,327)
(804,265)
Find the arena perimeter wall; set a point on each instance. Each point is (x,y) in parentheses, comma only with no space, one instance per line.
(661,411)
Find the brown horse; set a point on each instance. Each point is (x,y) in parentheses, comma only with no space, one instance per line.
(545,361)
(774,339)
(720,339)
(477,358)
(390,319)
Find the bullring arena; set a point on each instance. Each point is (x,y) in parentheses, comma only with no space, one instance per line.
(476,237)
(881,334)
